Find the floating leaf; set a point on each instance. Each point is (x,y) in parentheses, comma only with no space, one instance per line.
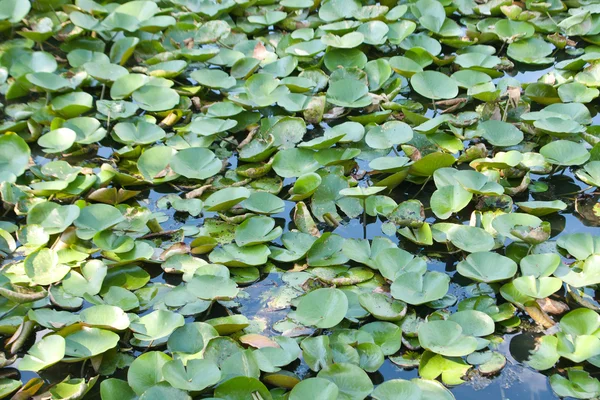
(348,93)
(88,342)
(434,85)
(315,387)
(564,152)
(14,156)
(195,376)
(46,352)
(352,382)
(146,371)
(323,308)
(196,163)
(417,288)
(43,267)
(487,267)
(446,338)
(156,325)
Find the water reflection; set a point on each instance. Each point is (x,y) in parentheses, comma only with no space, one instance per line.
(515,381)
(260,301)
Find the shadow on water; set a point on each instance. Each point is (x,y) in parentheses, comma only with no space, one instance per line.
(260,300)
(264,301)
(516,381)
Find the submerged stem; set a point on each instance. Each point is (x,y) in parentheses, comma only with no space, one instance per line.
(422,187)
(576,192)
(364,220)
(505,113)
(82,367)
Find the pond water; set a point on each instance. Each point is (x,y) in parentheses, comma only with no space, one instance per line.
(208,80)
(515,381)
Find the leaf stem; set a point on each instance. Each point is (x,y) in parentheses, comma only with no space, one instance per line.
(364,219)
(577,192)
(422,187)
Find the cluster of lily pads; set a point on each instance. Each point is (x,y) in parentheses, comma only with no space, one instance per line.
(179,179)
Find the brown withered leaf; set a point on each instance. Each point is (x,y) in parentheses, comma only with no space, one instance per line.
(553,307)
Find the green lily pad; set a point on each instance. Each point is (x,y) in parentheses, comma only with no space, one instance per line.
(564,152)
(225,198)
(487,267)
(263,203)
(141,133)
(95,218)
(72,104)
(418,288)
(89,281)
(471,239)
(448,200)
(389,134)
(434,85)
(516,225)
(256,230)
(195,376)
(332,308)
(53,217)
(353,383)
(382,307)
(348,93)
(106,317)
(43,267)
(315,387)
(155,98)
(89,342)
(196,163)
(397,389)
(146,371)
(43,354)
(294,162)
(500,133)
(446,338)
(531,51)
(58,140)
(541,208)
(156,325)
(14,156)
(235,256)
(241,387)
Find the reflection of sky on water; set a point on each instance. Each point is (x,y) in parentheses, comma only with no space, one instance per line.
(530,76)
(516,382)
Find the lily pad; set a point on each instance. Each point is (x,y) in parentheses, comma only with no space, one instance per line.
(352,382)
(332,310)
(14,156)
(446,338)
(44,353)
(565,153)
(434,85)
(487,267)
(416,288)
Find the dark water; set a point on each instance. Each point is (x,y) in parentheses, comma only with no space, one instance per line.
(515,382)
